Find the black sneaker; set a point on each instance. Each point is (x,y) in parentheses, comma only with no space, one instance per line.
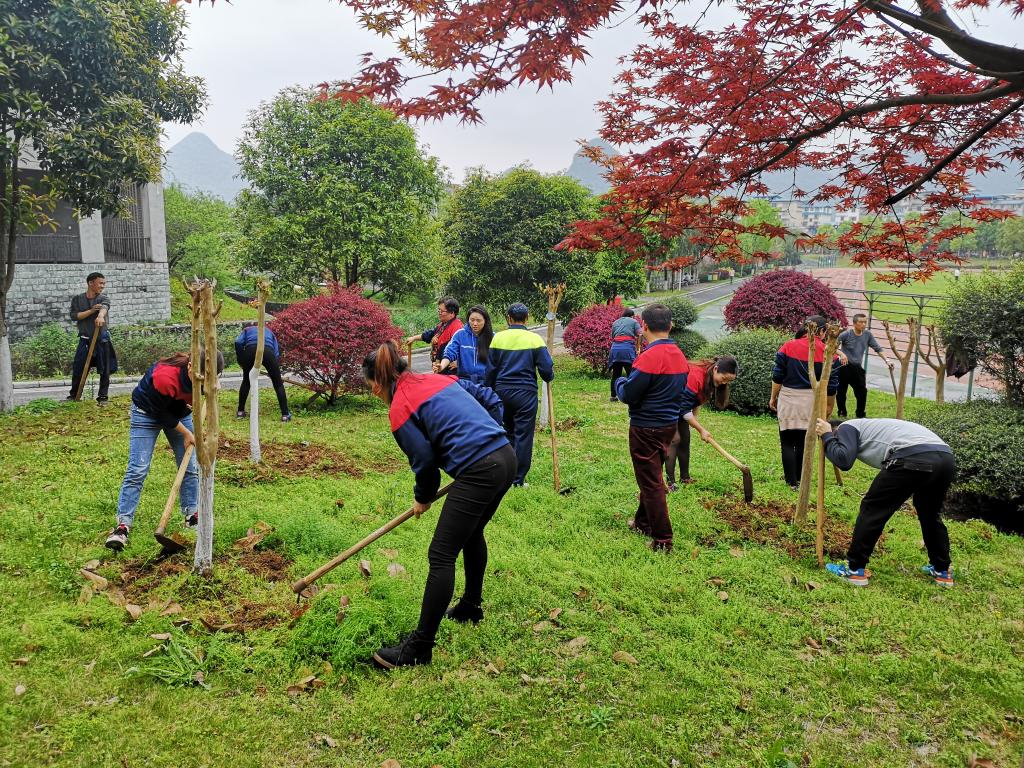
(118,538)
(286,417)
(413,650)
(464,613)
(192,521)
(102,401)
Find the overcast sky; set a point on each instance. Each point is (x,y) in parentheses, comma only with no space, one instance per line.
(248,50)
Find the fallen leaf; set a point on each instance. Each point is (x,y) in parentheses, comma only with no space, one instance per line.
(172,609)
(542,626)
(92,565)
(99,582)
(200,679)
(390,554)
(716,581)
(311,591)
(339,503)
(135,611)
(581,594)
(20,662)
(181,622)
(491,669)
(695,552)
(164,636)
(555,613)
(624,657)
(90,666)
(116,597)
(253,537)
(736,551)
(577,643)
(395,570)
(323,740)
(525,677)
(811,586)
(310,681)
(980,762)
(216,625)
(19,690)
(85,594)
(813,643)
(391,763)
(364,568)
(152,651)
(722,595)
(499,662)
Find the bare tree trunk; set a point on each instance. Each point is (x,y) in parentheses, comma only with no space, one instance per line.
(203,562)
(905,358)
(939,365)
(6,372)
(10,201)
(262,293)
(818,410)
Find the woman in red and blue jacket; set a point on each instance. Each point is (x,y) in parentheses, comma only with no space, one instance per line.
(706,380)
(792,397)
(161,402)
(623,351)
(441,422)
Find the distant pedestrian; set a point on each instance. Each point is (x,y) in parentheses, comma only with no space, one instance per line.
(853,349)
(625,335)
(516,356)
(468,350)
(916,464)
(245,350)
(89,311)
(792,397)
(439,336)
(653,391)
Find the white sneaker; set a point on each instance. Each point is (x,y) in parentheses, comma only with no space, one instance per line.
(118,538)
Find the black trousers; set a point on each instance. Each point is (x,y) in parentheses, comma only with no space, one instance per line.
(100,361)
(679,451)
(852,376)
(247,359)
(792,441)
(520,422)
(619,370)
(926,477)
(468,507)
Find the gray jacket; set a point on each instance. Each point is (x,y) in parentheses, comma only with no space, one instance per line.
(856,347)
(878,442)
(81,303)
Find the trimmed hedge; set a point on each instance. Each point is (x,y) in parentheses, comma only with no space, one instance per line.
(988,441)
(781,299)
(754,350)
(684,311)
(588,335)
(690,342)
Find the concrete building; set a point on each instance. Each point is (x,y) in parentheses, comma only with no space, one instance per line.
(131,252)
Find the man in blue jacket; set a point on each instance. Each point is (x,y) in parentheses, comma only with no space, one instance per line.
(516,356)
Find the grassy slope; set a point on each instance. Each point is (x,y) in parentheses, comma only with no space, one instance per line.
(907,674)
(181,304)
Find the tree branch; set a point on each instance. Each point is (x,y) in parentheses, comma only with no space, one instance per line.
(955,153)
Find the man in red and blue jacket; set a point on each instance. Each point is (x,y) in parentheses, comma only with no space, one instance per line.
(654,393)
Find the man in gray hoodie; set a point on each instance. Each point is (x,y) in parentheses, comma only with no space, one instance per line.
(89,312)
(914,463)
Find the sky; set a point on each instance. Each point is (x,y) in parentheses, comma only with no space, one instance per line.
(250,49)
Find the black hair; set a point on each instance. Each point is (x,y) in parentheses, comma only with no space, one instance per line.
(182,359)
(518,313)
(658,318)
(818,320)
(627,312)
(94,276)
(381,369)
(835,423)
(859,316)
(483,341)
(449,303)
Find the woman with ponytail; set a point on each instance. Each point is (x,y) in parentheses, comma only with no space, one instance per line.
(161,402)
(441,422)
(706,380)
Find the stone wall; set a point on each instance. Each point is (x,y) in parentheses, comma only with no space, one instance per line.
(41,294)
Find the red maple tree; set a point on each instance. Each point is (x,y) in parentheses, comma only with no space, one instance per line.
(893,103)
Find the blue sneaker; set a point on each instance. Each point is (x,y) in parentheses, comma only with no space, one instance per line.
(942,578)
(859,577)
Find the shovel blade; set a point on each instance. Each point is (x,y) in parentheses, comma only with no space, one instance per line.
(748,486)
(169,545)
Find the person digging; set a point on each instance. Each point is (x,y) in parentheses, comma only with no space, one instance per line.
(913,462)
(442,422)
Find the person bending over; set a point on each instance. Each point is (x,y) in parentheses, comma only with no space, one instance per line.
(245,349)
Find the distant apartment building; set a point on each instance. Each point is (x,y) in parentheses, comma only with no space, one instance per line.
(130,251)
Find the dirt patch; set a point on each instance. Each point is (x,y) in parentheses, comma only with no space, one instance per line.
(281,460)
(770,523)
(268,565)
(568,424)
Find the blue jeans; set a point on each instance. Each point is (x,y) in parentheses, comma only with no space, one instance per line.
(142,435)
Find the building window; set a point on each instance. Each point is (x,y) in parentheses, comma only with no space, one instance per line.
(125,239)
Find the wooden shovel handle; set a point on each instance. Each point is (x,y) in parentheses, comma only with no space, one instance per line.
(182,469)
(389,526)
(88,362)
(739,464)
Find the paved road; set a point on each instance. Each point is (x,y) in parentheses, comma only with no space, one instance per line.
(58,389)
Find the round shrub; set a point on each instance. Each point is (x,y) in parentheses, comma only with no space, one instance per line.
(781,299)
(324,339)
(754,350)
(988,441)
(684,311)
(689,341)
(49,352)
(588,335)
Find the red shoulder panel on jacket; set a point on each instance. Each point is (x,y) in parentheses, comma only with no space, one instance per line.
(664,358)
(413,390)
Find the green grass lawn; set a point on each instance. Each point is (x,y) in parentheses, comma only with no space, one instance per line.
(181,306)
(907,300)
(793,669)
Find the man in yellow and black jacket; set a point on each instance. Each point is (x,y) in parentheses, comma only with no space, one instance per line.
(516,356)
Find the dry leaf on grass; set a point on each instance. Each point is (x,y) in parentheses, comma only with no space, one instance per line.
(365,569)
(491,669)
(716,581)
(310,592)
(980,762)
(812,585)
(152,651)
(172,609)
(90,666)
(391,763)
(555,613)
(116,597)
(323,740)
(542,626)
(736,551)
(20,662)
(214,624)
(134,611)
(92,565)
(253,537)
(624,657)
(390,554)
(164,636)
(98,581)
(395,570)
(722,595)
(305,684)
(577,643)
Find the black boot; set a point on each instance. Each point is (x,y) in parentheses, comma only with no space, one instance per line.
(414,649)
(464,612)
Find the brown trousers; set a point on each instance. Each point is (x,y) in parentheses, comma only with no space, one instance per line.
(647,448)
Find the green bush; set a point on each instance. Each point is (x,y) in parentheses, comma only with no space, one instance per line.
(689,341)
(47,353)
(754,350)
(987,440)
(684,311)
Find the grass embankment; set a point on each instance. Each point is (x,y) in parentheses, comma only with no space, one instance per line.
(181,306)
(784,667)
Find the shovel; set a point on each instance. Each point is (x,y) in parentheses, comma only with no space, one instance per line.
(330,565)
(171,546)
(88,362)
(748,480)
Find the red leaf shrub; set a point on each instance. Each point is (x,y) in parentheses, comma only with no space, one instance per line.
(781,299)
(324,339)
(588,336)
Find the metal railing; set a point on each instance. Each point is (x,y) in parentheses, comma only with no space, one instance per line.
(127,249)
(48,249)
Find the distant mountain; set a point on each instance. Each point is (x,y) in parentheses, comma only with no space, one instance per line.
(197,164)
(588,173)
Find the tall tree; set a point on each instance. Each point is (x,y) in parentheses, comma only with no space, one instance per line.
(338,191)
(858,88)
(201,230)
(84,87)
(501,232)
